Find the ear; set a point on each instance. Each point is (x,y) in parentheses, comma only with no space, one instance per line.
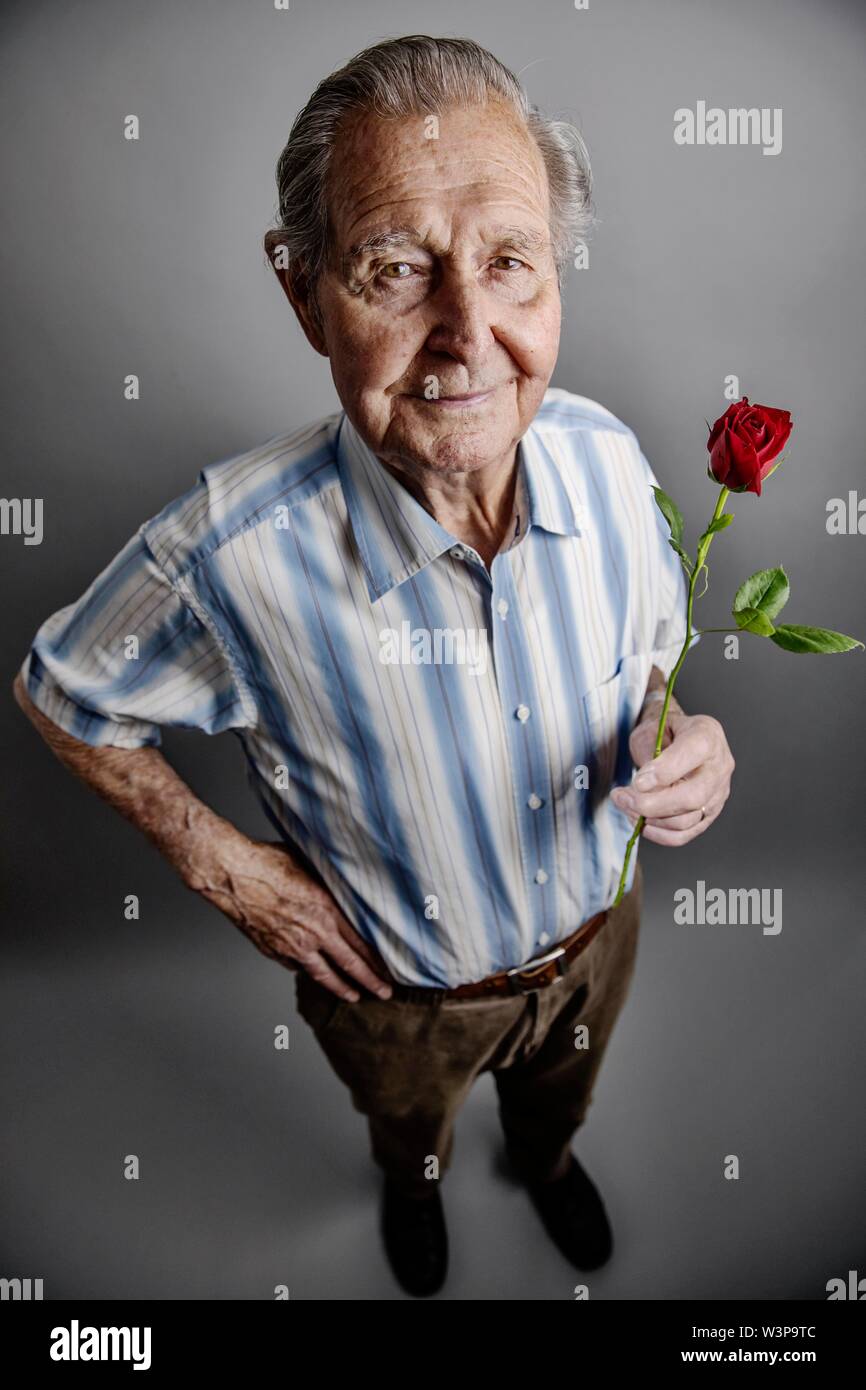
(298,291)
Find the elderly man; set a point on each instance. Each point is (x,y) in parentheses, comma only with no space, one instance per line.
(438,622)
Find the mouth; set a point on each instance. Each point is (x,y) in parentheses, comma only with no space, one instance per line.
(472,398)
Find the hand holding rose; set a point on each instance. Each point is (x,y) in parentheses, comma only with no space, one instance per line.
(680,793)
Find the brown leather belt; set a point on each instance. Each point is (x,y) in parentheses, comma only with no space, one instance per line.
(537,973)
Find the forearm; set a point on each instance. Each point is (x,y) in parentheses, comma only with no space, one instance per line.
(259,886)
(145,789)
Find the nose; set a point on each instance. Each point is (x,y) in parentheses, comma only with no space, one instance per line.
(462,318)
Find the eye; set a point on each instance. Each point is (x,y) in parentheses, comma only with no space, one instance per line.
(513,259)
(398,267)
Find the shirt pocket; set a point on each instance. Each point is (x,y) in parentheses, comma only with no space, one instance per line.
(610,711)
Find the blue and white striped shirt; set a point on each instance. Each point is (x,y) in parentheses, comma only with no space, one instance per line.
(439,740)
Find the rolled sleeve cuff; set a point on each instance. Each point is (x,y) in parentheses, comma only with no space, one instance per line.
(76,719)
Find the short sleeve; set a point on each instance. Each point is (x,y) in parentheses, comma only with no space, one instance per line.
(130,656)
(672,591)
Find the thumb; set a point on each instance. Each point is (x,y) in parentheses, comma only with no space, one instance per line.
(642,741)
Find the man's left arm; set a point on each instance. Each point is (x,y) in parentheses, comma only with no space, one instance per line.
(683,790)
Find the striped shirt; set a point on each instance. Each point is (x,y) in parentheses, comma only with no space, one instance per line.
(439,739)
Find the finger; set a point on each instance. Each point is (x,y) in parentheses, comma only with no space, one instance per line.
(684,822)
(679,800)
(354,965)
(346,945)
(363,948)
(660,836)
(642,742)
(319,970)
(693,745)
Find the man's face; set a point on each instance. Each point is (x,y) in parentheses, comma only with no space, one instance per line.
(464,290)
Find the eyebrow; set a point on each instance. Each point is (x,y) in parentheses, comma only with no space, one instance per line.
(381,241)
(521,238)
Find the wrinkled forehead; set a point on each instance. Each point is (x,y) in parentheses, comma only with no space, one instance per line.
(466,156)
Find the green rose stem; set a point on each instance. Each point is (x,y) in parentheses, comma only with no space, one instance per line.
(703,547)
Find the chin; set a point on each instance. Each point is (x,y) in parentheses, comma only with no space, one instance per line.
(460,452)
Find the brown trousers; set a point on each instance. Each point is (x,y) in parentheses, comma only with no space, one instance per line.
(410,1066)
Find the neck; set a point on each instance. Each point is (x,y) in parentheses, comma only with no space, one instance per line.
(475,507)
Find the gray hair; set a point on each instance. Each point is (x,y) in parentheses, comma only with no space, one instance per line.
(416,76)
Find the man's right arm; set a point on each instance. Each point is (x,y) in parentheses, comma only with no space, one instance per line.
(258,885)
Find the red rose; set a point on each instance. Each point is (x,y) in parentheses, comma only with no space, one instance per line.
(744,444)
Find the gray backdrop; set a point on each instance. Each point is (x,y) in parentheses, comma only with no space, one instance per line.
(156,1037)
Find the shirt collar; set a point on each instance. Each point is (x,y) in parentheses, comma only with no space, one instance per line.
(397,537)
(555,503)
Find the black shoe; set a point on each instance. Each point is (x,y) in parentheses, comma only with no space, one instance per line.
(574,1217)
(416,1240)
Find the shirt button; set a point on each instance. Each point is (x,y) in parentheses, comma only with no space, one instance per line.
(541,876)
(458,553)
(544,938)
(522,713)
(502,607)
(534,802)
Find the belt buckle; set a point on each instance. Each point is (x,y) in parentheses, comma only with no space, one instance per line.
(537,973)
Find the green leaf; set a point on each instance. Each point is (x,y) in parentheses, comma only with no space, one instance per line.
(718,525)
(812,639)
(753,620)
(671,513)
(684,556)
(767,590)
